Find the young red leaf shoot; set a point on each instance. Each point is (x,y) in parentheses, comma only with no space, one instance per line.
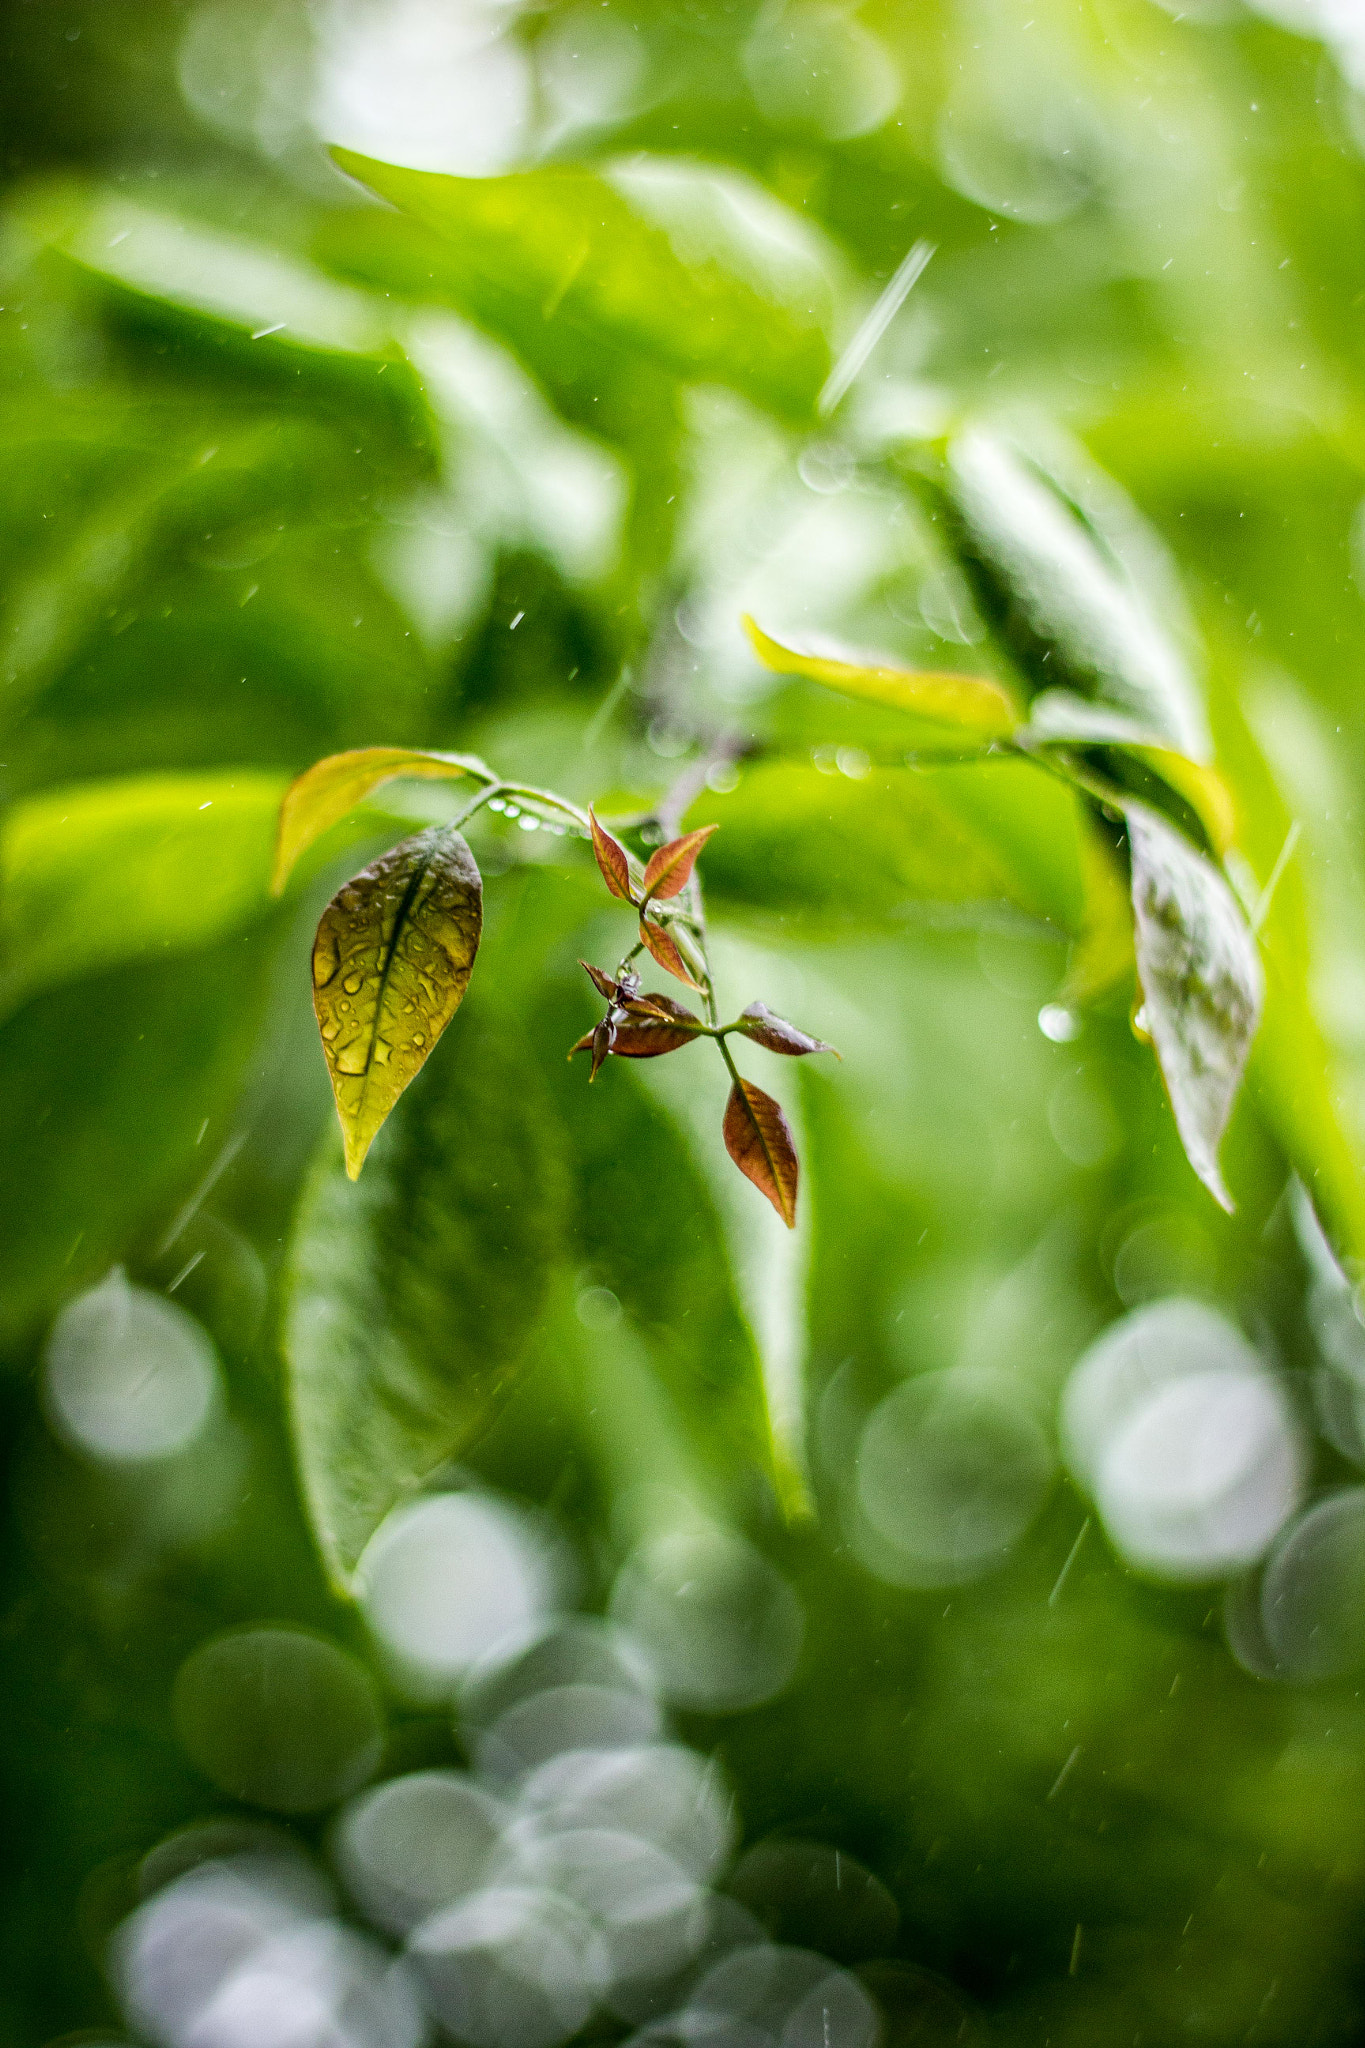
(613,861)
(657,942)
(759,1140)
(671,866)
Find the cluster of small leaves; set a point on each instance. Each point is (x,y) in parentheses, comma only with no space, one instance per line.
(644,1026)
(395,950)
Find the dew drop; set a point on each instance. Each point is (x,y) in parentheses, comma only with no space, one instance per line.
(1058,1023)
(351,1058)
(331,1031)
(326,959)
(353,984)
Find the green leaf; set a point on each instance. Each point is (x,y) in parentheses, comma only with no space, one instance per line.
(324,793)
(1059,720)
(970,703)
(562,245)
(391,962)
(647,1227)
(116,1099)
(876,844)
(1061,590)
(105,872)
(1202,984)
(411,1299)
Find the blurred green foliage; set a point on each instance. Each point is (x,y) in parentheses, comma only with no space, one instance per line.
(281,473)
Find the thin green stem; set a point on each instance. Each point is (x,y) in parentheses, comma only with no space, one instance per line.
(493,789)
(726,1056)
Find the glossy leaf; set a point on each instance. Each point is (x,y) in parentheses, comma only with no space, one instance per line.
(1061,590)
(613,861)
(669,868)
(663,948)
(562,244)
(759,1023)
(410,1300)
(759,1140)
(644,1029)
(324,793)
(134,868)
(391,962)
(601,980)
(1201,980)
(972,704)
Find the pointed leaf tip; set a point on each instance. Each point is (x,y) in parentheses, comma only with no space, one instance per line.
(974,703)
(663,948)
(391,961)
(758,1138)
(613,861)
(759,1023)
(670,867)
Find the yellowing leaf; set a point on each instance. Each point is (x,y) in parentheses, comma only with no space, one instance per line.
(974,703)
(324,793)
(391,962)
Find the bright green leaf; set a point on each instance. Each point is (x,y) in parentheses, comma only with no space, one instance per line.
(970,703)
(105,872)
(562,244)
(324,793)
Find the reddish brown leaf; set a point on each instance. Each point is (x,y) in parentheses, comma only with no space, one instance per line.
(759,1023)
(653,1025)
(671,865)
(662,1009)
(657,941)
(603,1039)
(613,861)
(601,981)
(584,1044)
(759,1140)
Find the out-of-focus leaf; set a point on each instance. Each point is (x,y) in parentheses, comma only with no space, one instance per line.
(662,946)
(876,844)
(562,244)
(391,962)
(669,868)
(1062,599)
(613,861)
(114,1104)
(1201,980)
(648,1229)
(1060,719)
(759,1140)
(412,1298)
(600,980)
(1101,955)
(106,872)
(324,793)
(759,1023)
(972,704)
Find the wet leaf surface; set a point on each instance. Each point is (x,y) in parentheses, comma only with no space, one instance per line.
(391,962)
(759,1140)
(612,860)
